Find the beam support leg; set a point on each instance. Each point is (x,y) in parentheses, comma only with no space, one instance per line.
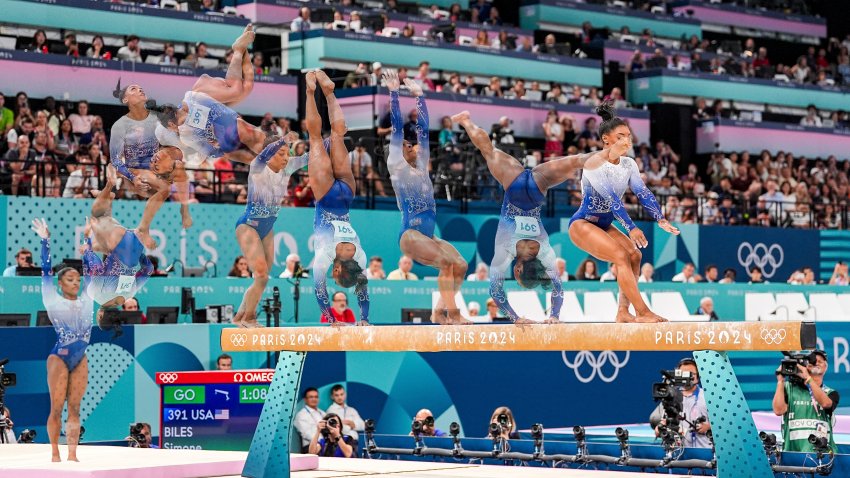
(268,456)
(739,451)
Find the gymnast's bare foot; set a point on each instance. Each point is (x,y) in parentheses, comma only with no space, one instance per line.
(363,323)
(456,319)
(624,316)
(326,83)
(439,317)
(185,217)
(650,317)
(461,117)
(73,458)
(244,40)
(310,80)
(552,320)
(145,238)
(56,458)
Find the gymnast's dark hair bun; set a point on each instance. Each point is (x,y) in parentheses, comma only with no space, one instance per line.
(606,110)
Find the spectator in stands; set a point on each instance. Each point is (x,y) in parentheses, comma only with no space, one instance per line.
(82,183)
(482,39)
(474,309)
(710,211)
(308,417)
(492,309)
(481,273)
(21,161)
(610,275)
(97,50)
(39,42)
(131,51)
(240,268)
(469,87)
(208,6)
(48,184)
(24,130)
(65,143)
(224,362)
(72,47)
(706,307)
(587,270)
(257,63)
(839,275)
(156,271)
(7,117)
(132,305)
(289,270)
(408,31)
(23,258)
(729,276)
(168,56)
(556,94)
(303,194)
(504,41)
(351,421)
(494,88)
(591,134)
(553,131)
(549,46)
(81,120)
(756,276)
(676,64)
(422,76)
(646,272)
(375,77)
(711,273)
(425,417)
(376,268)
(687,275)
(525,45)
(636,63)
(340,310)
(812,118)
(301,23)
(561,270)
(772,195)
(801,72)
(405,266)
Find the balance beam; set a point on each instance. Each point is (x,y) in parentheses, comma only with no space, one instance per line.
(675,336)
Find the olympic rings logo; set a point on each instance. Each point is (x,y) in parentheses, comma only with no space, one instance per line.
(238,340)
(767,258)
(597,365)
(773,336)
(167,377)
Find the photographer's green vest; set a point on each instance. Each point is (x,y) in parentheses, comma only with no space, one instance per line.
(803,418)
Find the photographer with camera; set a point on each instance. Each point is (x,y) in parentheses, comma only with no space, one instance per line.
(140,436)
(329,439)
(682,408)
(804,402)
(503,420)
(423,424)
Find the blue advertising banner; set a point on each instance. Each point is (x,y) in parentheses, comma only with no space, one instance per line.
(778,252)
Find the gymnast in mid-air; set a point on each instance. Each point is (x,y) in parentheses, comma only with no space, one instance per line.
(408,165)
(602,191)
(332,180)
(521,239)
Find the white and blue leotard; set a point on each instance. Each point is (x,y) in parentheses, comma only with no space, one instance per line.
(266,188)
(332,226)
(71,319)
(520,220)
(602,192)
(122,272)
(413,188)
(211,128)
(132,144)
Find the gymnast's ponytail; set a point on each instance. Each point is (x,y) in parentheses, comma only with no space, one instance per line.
(610,120)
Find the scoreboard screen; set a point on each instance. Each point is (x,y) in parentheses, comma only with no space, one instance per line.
(214,410)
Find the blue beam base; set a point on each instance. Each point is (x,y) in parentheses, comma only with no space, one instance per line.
(738,449)
(268,456)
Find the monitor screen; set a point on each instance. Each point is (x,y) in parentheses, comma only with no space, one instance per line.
(14,320)
(163,315)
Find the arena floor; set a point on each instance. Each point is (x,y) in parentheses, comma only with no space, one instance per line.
(32,461)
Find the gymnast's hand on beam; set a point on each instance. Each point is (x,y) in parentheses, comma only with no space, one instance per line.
(522,322)
(665,224)
(363,323)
